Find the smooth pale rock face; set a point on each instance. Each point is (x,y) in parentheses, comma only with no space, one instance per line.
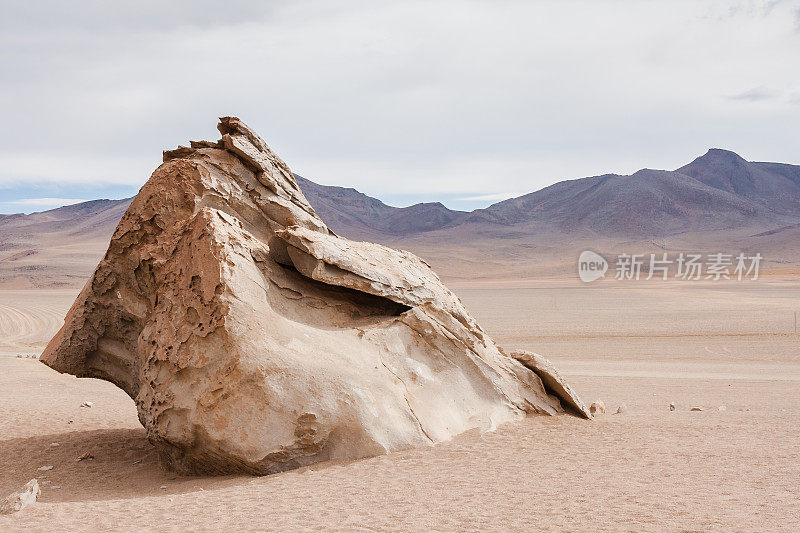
(20,499)
(253,339)
(552,380)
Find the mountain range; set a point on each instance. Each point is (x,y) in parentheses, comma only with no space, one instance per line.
(718,190)
(718,201)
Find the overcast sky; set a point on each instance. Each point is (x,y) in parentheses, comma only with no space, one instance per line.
(463,102)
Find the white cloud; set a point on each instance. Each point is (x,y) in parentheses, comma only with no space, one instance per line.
(86,168)
(45,202)
(400,97)
(756,94)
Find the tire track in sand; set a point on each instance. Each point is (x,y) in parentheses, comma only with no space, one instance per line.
(27,322)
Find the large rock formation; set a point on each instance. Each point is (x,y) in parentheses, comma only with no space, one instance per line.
(253,339)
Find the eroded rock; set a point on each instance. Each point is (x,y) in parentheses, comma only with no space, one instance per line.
(253,339)
(552,380)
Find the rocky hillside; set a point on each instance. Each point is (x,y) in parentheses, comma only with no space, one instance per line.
(57,247)
(717,191)
(355,214)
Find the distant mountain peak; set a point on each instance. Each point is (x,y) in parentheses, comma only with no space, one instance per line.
(773,186)
(435,205)
(721,153)
(646,172)
(719,159)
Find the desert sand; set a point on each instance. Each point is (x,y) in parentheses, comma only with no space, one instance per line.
(704,344)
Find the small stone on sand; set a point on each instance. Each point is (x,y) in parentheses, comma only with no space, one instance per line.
(597,407)
(20,499)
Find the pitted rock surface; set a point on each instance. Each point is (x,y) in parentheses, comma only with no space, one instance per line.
(253,339)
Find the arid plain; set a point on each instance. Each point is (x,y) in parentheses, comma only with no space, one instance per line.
(726,353)
(397,266)
(726,347)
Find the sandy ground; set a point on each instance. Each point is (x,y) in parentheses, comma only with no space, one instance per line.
(29,318)
(645,344)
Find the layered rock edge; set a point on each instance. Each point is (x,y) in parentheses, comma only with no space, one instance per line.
(255,340)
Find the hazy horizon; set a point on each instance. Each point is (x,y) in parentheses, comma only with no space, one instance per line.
(28,202)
